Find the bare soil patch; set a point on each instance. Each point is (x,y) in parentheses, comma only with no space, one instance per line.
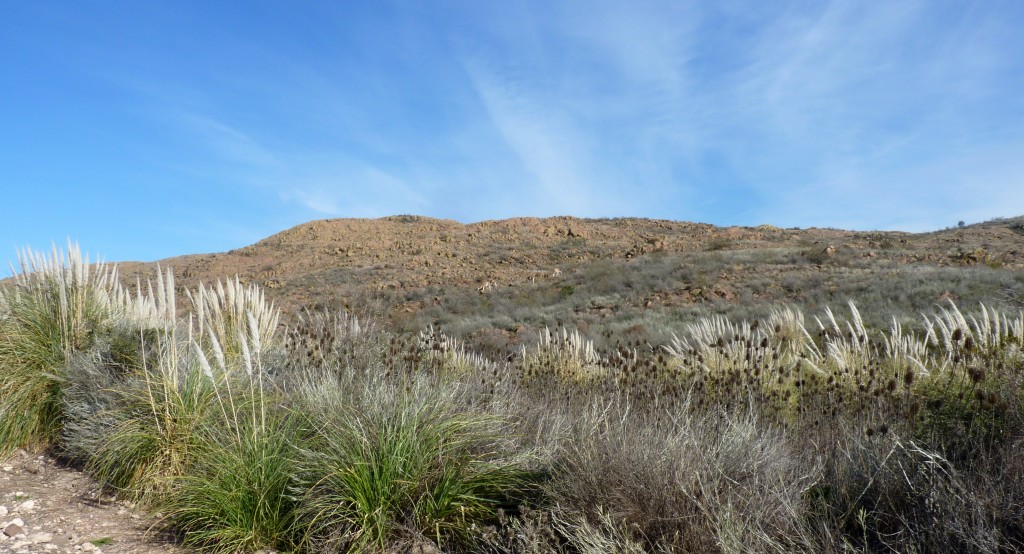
(45,507)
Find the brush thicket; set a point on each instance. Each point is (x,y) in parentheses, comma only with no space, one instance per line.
(785,433)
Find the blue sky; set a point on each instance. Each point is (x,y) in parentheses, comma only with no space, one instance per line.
(151,129)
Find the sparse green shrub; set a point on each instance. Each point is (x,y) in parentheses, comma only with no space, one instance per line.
(404,466)
(961,419)
(719,243)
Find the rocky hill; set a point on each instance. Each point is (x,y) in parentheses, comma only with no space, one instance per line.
(513,275)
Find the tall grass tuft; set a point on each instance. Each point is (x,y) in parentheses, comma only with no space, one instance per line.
(137,429)
(57,305)
(405,465)
(231,314)
(563,355)
(237,495)
(142,432)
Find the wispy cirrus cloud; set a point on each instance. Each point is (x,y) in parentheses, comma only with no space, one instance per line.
(733,113)
(327,183)
(592,142)
(544,141)
(836,112)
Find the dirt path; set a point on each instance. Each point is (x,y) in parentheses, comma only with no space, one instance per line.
(48,508)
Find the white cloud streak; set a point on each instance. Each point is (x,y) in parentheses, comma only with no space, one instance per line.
(545,143)
(735,113)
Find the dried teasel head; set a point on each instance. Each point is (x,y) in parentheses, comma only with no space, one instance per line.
(978,375)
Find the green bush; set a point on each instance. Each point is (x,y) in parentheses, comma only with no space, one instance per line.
(136,432)
(237,495)
(58,305)
(405,467)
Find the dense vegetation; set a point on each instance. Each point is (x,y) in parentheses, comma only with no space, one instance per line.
(779,433)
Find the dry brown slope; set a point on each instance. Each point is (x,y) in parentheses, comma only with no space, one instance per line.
(336,259)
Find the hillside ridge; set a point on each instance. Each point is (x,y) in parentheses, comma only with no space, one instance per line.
(420,270)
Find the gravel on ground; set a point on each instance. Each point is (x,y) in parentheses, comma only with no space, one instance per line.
(45,507)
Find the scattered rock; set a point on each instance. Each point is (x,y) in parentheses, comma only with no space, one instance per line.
(577,232)
(14,528)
